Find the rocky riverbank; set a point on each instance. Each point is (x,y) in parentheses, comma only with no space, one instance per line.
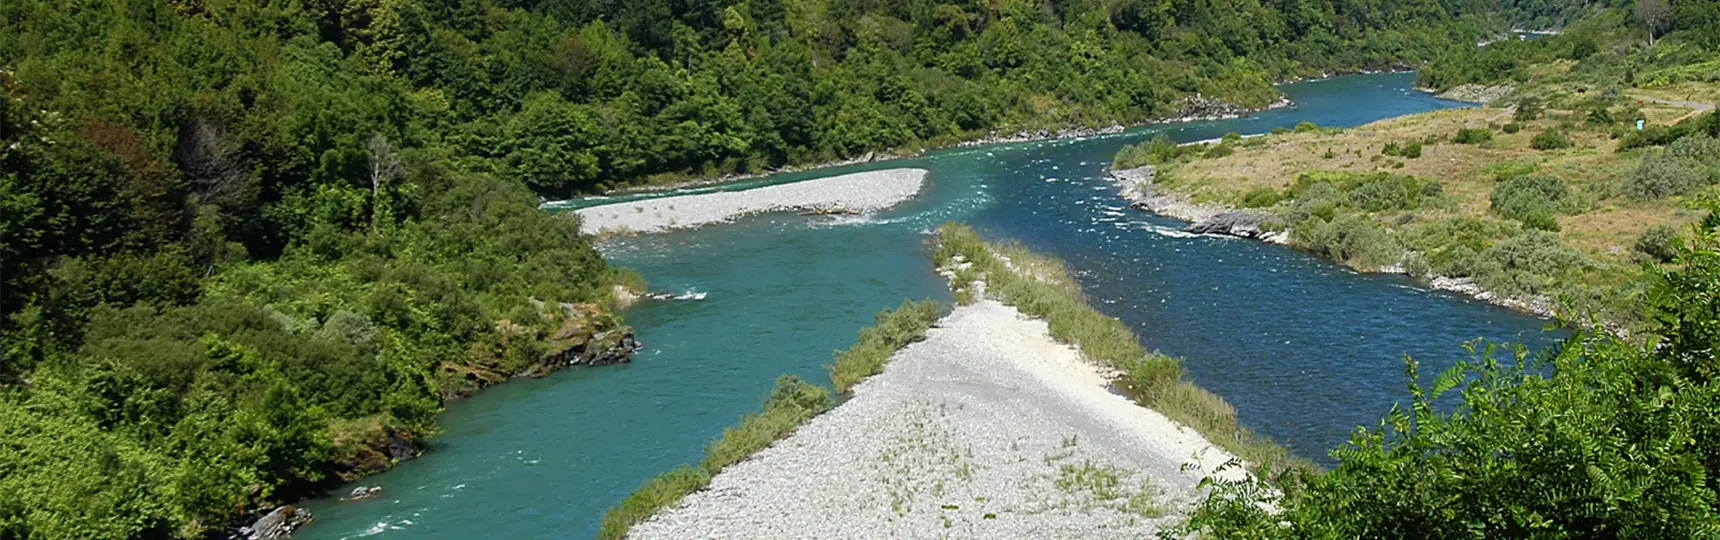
(1193,108)
(1136,186)
(988,428)
(1474,93)
(858,193)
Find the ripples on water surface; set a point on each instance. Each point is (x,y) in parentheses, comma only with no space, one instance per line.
(1306,350)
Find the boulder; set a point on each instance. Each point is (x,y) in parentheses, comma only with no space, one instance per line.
(276,525)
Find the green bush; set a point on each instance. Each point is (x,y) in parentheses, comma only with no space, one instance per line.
(1472,136)
(1528,109)
(1599,115)
(1348,238)
(1453,247)
(1528,263)
(1306,127)
(1521,196)
(1684,166)
(1551,139)
(1409,150)
(1513,127)
(1157,151)
(1218,151)
(1658,243)
(1541,220)
(1261,198)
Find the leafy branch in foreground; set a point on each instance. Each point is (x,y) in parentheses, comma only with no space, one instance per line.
(1601,438)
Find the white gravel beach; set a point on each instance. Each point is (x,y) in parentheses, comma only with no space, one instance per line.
(987,429)
(863,193)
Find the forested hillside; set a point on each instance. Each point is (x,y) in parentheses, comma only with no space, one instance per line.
(246,245)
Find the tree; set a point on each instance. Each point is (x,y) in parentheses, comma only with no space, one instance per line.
(384,167)
(1656,15)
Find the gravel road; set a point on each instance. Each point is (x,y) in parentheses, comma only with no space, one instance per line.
(859,193)
(987,429)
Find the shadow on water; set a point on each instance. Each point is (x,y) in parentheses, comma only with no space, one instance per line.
(1306,350)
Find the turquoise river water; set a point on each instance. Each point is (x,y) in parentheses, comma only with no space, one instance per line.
(1305,350)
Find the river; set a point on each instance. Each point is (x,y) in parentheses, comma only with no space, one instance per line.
(1305,349)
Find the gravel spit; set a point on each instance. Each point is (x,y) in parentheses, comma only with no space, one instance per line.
(987,429)
(850,193)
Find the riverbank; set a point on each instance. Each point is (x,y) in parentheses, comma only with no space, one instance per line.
(858,193)
(988,428)
(1534,214)
(1192,108)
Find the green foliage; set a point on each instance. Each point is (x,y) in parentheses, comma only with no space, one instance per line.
(1540,220)
(1528,109)
(1602,438)
(1519,197)
(1263,197)
(790,404)
(1529,263)
(1348,238)
(892,330)
(1157,151)
(1551,139)
(1683,167)
(1512,128)
(1659,243)
(1409,150)
(1472,136)
(1306,127)
(1368,192)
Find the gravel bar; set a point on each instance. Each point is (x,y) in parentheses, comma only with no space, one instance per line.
(987,429)
(865,192)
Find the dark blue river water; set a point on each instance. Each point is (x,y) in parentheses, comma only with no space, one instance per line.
(1306,350)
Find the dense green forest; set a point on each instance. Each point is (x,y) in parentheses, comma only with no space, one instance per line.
(1624,46)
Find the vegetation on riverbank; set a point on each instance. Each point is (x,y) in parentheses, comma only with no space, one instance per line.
(892,330)
(791,404)
(1041,286)
(1565,228)
(1603,437)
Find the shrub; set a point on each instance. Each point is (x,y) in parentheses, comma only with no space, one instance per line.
(1513,127)
(1306,127)
(1232,138)
(1541,220)
(1472,136)
(1551,139)
(1160,150)
(1218,151)
(1528,263)
(1280,130)
(1349,238)
(1452,247)
(1521,196)
(1600,115)
(1261,198)
(1687,164)
(1527,109)
(1658,243)
(1409,150)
